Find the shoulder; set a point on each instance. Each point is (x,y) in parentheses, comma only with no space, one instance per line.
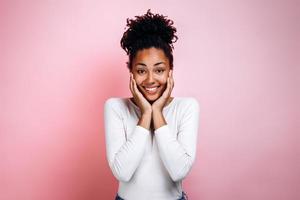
(116,102)
(188,110)
(188,103)
(112,101)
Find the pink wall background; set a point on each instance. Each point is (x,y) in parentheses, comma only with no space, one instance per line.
(60,60)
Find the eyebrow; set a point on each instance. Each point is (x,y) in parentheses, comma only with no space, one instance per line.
(143,64)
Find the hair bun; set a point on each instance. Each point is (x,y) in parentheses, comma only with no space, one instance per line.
(148,26)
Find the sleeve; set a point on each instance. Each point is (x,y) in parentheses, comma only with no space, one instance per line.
(123,155)
(178,153)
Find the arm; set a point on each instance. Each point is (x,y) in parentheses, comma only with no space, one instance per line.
(124,155)
(178,153)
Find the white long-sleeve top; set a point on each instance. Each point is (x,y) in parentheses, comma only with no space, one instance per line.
(151,164)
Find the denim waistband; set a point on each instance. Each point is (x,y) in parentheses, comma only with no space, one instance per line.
(183,197)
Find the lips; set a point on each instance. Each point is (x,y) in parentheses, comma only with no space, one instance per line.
(151,90)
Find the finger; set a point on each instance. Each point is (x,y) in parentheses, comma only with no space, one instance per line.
(133,85)
(166,92)
(170,87)
(135,89)
(130,84)
(172,81)
(130,81)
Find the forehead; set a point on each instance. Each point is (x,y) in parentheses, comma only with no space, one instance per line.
(150,56)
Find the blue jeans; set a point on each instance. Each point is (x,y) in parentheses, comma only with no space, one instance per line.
(183,197)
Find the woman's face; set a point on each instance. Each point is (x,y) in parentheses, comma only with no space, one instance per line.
(150,69)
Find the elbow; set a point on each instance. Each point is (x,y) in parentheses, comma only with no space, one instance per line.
(121,175)
(177,177)
(179,174)
(120,172)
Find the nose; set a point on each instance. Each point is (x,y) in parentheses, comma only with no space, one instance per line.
(150,79)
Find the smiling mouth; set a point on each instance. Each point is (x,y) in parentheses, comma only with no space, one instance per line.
(151,90)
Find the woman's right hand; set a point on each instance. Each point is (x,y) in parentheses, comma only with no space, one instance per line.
(139,99)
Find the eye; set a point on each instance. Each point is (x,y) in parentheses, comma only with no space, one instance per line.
(141,71)
(160,71)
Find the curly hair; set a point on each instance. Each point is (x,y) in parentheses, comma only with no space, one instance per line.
(146,31)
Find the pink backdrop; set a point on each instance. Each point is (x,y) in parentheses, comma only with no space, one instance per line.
(60,60)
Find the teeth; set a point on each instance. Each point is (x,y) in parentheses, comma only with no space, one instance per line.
(151,89)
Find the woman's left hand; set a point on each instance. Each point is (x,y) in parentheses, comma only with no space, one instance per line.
(159,104)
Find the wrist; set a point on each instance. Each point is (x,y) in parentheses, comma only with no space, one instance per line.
(147,112)
(156,110)
(145,120)
(158,119)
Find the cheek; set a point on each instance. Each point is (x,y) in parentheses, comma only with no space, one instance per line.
(164,80)
(138,80)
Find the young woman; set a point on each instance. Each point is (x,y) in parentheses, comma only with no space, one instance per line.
(151,137)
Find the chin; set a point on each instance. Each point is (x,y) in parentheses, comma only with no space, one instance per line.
(151,99)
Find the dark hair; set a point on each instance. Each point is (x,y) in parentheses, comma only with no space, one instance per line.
(146,31)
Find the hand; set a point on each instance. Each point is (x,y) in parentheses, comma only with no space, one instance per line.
(139,99)
(161,101)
